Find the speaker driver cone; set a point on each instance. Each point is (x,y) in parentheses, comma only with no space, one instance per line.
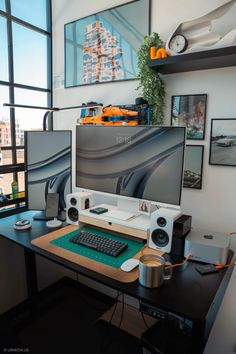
(161,221)
(160,237)
(73,214)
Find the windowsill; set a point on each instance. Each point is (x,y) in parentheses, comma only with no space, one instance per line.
(12,211)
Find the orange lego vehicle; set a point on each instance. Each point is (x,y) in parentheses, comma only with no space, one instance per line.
(113,115)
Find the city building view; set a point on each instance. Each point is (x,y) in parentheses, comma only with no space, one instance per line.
(23,121)
(5,132)
(102,55)
(6,155)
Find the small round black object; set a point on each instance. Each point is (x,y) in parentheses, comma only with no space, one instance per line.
(161,221)
(73,214)
(160,238)
(73,201)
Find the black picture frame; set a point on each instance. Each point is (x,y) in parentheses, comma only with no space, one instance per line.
(102,47)
(223,142)
(190,111)
(193,167)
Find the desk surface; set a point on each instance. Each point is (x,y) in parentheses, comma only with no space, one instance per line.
(187,294)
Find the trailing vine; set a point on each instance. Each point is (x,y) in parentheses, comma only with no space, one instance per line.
(151,86)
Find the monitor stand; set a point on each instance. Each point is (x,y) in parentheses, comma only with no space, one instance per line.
(42,216)
(53,223)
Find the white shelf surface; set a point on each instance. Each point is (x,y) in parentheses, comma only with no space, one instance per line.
(137,220)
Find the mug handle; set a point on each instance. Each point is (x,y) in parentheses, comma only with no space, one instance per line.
(167,274)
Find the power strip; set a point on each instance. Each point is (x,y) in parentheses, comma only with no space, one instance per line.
(153,311)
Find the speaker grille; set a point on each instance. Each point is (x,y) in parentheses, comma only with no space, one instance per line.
(73,214)
(86,203)
(161,221)
(160,237)
(73,201)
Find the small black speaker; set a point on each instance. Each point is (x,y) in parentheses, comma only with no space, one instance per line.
(182,227)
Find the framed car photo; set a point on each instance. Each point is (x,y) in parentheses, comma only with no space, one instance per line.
(190,111)
(193,166)
(223,142)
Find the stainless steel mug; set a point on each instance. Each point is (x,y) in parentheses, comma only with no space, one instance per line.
(153,270)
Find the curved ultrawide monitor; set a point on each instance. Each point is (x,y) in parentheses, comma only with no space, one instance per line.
(144,162)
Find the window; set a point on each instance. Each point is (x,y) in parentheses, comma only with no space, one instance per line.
(25,78)
(3,50)
(30,56)
(2,5)
(36,12)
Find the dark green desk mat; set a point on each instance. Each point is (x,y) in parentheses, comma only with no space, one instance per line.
(133,247)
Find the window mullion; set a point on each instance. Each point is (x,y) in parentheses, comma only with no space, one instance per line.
(11,86)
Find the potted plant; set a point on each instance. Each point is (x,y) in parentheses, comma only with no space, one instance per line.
(151,86)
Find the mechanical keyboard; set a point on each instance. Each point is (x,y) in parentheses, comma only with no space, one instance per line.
(99,243)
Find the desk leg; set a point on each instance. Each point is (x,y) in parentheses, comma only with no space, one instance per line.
(31,275)
(198,332)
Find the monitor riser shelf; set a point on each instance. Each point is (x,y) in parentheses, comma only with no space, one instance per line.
(136,226)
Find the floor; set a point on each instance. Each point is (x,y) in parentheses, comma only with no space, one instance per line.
(129,319)
(72,324)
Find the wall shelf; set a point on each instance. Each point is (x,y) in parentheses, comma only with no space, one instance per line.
(210,59)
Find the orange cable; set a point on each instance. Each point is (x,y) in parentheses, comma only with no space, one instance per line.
(182,263)
(226,265)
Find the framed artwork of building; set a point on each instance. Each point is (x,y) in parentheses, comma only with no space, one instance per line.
(103,47)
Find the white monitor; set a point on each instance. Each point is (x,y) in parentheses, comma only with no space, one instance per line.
(144,162)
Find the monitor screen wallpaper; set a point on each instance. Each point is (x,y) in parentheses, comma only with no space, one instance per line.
(143,162)
(48,166)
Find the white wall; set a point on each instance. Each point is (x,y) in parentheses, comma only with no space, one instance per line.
(213,207)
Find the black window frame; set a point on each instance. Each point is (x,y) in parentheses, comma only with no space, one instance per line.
(19,167)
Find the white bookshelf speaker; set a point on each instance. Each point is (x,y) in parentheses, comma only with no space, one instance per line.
(76,202)
(161,229)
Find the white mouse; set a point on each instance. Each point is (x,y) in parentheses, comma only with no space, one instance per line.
(129,265)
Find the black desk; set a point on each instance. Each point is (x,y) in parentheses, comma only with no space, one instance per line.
(187,294)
